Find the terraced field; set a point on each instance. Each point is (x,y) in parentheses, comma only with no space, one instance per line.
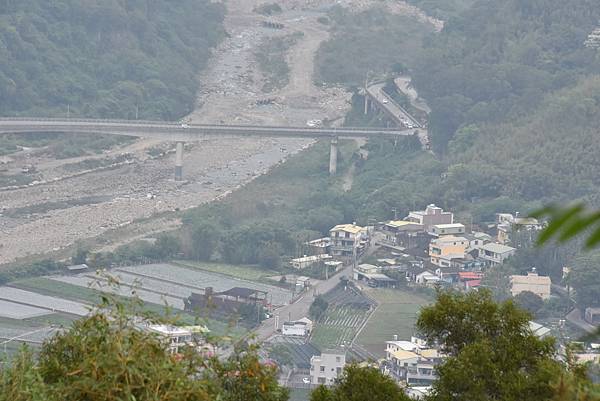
(347,311)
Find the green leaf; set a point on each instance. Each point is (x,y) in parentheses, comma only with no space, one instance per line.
(578,226)
(558,219)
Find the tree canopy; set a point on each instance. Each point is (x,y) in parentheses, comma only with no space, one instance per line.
(492,353)
(107,357)
(108,59)
(360,384)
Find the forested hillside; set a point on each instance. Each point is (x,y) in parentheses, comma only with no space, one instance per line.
(515,102)
(104,58)
(497,61)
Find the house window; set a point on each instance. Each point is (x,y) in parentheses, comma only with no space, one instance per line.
(321,380)
(338,359)
(321,368)
(338,371)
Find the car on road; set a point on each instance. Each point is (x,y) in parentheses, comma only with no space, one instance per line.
(385,101)
(185,126)
(306,380)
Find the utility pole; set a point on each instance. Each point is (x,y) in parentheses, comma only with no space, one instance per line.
(395,210)
(137,110)
(68,111)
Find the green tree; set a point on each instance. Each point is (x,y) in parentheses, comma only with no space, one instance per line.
(281,354)
(269,254)
(361,384)
(493,355)
(529,301)
(318,307)
(167,246)
(205,238)
(107,357)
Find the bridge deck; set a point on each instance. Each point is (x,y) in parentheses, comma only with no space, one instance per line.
(179,132)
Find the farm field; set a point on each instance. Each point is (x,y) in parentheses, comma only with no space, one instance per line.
(92,296)
(247,272)
(345,315)
(43,301)
(47,286)
(396,314)
(36,304)
(300,351)
(201,279)
(13,310)
(126,288)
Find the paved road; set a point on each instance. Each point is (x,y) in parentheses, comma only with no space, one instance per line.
(182,132)
(299,309)
(385,102)
(394,111)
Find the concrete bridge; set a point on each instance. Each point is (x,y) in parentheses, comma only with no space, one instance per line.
(181,133)
(377,98)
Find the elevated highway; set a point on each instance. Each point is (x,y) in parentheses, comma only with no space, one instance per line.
(375,97)
(181,133)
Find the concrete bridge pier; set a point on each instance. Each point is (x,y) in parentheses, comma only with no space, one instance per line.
(333,156)
(179,161)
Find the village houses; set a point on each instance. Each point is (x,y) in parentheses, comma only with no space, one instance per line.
(347,240)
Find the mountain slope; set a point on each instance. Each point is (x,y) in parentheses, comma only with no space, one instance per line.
(104,58)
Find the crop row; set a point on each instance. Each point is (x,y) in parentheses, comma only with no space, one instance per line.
(13,310)
(201,279)
(43,301)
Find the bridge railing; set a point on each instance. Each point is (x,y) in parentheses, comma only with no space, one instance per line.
(89,120)
(395,103)
(177,124)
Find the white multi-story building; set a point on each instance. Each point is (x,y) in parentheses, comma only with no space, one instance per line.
(175,338)
(495,254)
(347,239)
(308,261)
(440,230)
(327,367)
(431,216)
(411,362)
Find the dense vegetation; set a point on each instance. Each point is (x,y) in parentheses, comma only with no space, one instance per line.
(109,59)
(492,355)
(367,42)
(511,88)
(107,356)
(443,10)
